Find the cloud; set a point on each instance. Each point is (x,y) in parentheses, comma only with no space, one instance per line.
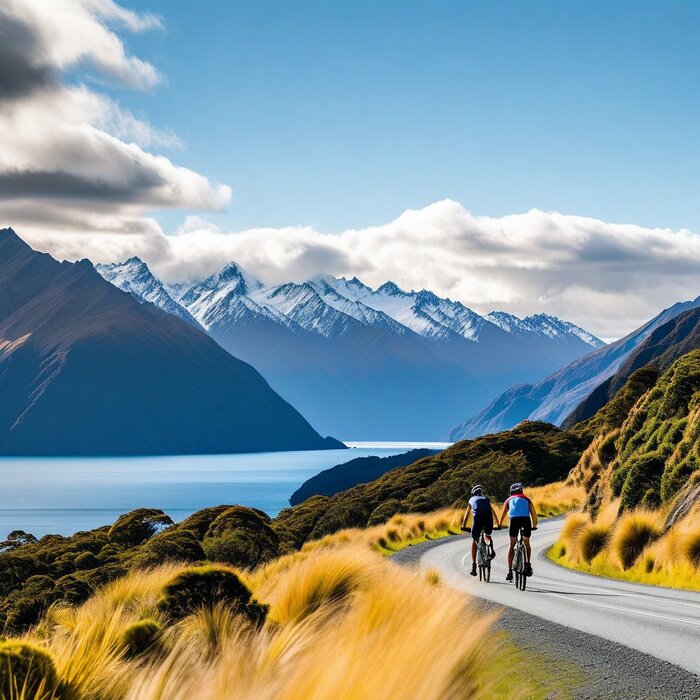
(609,278)
(72,158)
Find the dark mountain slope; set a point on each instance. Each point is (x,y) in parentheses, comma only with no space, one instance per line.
(86,369)
(660,350)
(356,471)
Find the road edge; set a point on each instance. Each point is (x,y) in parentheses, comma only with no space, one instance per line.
(611,670)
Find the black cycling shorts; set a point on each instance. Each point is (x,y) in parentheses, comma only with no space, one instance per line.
(482,521)
(522,521)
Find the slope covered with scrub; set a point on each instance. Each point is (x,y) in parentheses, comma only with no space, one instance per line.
(534,453)
(649,456)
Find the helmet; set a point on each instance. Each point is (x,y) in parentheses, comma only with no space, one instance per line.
(477,490)
(516,488)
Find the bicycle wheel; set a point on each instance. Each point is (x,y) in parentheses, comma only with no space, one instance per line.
(523,580)
(487,572)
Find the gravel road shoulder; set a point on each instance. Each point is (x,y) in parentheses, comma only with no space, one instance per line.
(609,671)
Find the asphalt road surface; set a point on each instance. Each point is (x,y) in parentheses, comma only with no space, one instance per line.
(661,622)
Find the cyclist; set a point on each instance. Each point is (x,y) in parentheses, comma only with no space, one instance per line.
(523,514)
(483,517)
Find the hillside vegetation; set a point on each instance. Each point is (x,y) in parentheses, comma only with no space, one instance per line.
(534,453)
(642,476)
(329,621)
(647,456)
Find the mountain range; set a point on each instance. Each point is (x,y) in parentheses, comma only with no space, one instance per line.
(86,369)
(368,363)
(588,381)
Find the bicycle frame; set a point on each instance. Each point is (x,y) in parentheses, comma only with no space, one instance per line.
(519,561)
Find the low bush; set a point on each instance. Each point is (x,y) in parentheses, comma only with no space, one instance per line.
(26,671)
(205,587)
(140,637)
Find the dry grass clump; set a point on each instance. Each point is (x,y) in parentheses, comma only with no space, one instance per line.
(633,547)
(573,525)
(634,532)
(343,623)
(690,547)
(320,579)
(592,539)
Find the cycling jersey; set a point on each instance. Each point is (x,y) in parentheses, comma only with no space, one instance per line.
(480,504)
(518,506)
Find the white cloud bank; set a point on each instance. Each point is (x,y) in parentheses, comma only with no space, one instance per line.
(609,278)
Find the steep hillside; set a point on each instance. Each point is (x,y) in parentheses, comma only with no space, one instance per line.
(534,453)
(661,348)
(553,398)
(651,456)
(356,471)
(87,369)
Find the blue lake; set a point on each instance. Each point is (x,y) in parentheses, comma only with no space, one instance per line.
(63,496)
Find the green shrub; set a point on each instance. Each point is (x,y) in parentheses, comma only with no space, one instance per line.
(172,545)
(26,671)
(140,637)
(384,511)
(133,528)
(24,606)
(242,537)
(204,587)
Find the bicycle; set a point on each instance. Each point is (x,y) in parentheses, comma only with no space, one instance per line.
(519,561)
(483,557)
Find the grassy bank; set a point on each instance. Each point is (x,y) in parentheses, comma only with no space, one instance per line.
(336,620)
(632,547)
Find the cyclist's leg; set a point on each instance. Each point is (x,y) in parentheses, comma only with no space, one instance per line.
(528,551)
(510,552)
(473,551)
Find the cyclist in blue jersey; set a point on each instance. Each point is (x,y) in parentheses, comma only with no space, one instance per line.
(483,517)
(523,515)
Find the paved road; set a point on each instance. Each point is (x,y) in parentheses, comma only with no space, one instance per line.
(661,622)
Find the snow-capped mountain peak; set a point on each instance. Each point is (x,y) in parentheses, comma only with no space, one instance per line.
(507,322)
(556,328)
(134,277)
(392,289)
(543,325)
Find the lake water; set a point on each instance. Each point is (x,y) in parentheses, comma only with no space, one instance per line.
(62,496)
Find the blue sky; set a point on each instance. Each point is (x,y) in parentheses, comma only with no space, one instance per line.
(527,157)
(342,115)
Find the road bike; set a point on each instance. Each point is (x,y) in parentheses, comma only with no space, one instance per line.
(520,561)
(483,558)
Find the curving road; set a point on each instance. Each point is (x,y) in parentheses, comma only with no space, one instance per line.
(662,622)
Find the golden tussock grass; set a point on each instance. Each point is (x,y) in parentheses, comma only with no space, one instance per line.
(633,547)
(344,623)
(556,498)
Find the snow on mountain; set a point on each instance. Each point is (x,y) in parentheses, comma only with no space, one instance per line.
(329,305)
(213,299)
(329,291)
(305,306)
(544,325)
(134,277)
